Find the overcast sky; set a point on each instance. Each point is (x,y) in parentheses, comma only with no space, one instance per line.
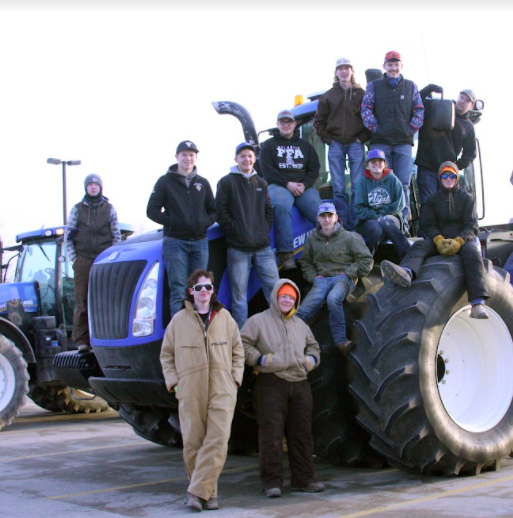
(119,84)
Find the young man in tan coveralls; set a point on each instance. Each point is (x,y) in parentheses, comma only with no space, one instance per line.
(203,362)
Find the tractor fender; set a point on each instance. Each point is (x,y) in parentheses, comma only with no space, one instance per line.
(10,331)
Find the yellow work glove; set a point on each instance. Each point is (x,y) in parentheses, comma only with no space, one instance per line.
(438,240)
(266,360)
(452,246)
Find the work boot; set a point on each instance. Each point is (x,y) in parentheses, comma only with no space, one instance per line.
(193,502)
(83,348)
(478,311)
(286,260)
(273,492)
(345,347)
(313,487)
(211,504)
(396,274)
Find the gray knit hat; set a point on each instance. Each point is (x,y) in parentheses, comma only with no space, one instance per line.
(93,178)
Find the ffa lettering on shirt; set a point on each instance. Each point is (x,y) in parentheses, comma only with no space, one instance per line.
(378,197)
(290,153)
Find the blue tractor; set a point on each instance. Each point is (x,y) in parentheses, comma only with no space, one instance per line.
(36,317)
(427,388)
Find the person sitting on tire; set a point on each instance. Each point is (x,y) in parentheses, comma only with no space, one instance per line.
(450,225)
(282,349)
(203,362)
(379,205)
(333,259)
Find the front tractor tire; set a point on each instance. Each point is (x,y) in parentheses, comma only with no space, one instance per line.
(435,387)
(14,379)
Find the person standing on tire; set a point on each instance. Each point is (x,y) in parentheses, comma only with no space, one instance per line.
(393,111)
(436,147)
(450,225)
(182,201)
(332,260)
(92,228)
(379,205)
(339,124)
(283,350)
(202,360)
(245,214)
(291,166)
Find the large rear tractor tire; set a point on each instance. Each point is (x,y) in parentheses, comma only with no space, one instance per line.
(435,387)
(65,399)
(338,438)
(14,379)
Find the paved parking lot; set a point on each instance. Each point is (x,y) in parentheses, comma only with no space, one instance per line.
(57,465)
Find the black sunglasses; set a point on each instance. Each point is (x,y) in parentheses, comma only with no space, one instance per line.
(444,176)
(199,287)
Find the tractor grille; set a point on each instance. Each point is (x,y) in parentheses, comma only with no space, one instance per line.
(111,290)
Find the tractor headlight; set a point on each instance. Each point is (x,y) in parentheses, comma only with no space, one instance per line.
(146,306)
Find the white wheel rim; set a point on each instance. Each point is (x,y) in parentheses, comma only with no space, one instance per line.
(7,382)
(475,370)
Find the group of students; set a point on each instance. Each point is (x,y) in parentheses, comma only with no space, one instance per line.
(205,347)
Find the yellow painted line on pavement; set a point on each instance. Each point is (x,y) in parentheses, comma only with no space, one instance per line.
(82,450)
(67,417)
(436,496)
(54,428)
(142,484)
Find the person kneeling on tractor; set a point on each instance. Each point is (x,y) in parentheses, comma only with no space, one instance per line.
(450,226)
(379,205)
(333,259)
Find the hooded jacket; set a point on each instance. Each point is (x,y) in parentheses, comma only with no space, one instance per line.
(244,211)
(341,252)
(189,210)
(437,218)
(375,198)
(436,147)
(339,116)
(289,160)
(201,361)
(287,337)
(91,229)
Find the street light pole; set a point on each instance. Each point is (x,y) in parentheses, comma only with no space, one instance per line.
(58,161)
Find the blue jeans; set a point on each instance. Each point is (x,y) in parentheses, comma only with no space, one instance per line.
(388,227)
(334,291)
(427,182)
(283,201)
(182,258)
(399,159)
(239,268)
(337,153)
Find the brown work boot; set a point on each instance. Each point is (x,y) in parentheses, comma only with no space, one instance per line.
(313,487)
(273,492)
(396,274)
(193,502)
(211,504)
(345,347)
(478,311)
(286,260)
(83,348)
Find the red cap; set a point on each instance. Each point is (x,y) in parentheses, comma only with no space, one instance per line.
(392,56)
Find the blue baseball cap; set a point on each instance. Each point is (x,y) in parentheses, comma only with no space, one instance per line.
(326,207)
(376,153)
(244,145)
